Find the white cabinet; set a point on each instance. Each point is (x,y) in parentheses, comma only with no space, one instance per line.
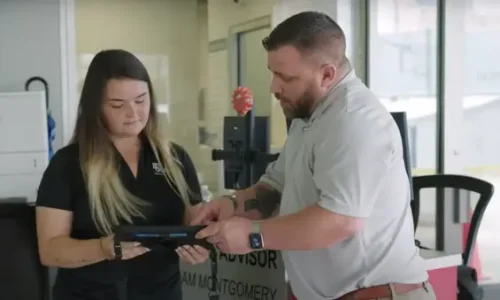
(23,143)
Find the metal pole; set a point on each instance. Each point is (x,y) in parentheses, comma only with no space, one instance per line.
(249,146)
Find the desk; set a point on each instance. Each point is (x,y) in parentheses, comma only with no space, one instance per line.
(442,270)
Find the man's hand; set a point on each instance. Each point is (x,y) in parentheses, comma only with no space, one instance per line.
(218,209)
(229,236)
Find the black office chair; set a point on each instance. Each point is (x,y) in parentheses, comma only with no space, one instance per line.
(22,277)
(467,277)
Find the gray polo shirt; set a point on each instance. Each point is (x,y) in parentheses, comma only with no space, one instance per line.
(348,159)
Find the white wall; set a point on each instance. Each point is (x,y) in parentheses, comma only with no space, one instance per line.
(158,32)
(224,14)
(30,45)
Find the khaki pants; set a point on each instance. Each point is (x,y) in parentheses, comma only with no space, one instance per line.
(424,293)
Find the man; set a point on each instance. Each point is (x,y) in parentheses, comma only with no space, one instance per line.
(344,226)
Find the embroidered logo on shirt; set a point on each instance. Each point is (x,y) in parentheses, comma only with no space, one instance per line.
(157,169)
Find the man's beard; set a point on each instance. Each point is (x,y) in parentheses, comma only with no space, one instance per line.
(298,109)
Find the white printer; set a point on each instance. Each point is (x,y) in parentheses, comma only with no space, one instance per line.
(24,147)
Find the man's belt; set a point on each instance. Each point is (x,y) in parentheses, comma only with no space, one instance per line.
(382,291)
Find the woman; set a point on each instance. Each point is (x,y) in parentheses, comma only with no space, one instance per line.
(117,170)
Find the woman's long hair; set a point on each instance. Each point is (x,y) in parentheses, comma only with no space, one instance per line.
(110,202)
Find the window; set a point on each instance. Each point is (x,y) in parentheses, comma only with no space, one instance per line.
(402,68)
(402,73)
(481,108)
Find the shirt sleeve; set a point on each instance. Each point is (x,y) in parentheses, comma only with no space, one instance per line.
(275,175)
(190,175)
(350,165)
(54,190)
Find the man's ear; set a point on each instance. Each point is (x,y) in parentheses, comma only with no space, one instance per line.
(329,73)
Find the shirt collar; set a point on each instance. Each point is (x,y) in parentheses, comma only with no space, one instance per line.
(327,101)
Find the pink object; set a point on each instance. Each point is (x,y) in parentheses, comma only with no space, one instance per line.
(242,100)
(444,283)
(475,261)
(289,293)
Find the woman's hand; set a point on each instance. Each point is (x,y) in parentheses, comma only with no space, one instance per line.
(193,254)
(129,249)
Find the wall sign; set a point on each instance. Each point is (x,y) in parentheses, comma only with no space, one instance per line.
(257,276)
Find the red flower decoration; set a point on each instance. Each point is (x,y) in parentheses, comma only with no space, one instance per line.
(242,100)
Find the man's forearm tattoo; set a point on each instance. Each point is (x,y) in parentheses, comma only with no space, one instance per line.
(266,202)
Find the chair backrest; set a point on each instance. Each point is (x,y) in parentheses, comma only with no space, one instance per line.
(22,277)
(402,123)
(459,182)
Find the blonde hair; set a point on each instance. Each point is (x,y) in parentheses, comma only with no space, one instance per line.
(110,202)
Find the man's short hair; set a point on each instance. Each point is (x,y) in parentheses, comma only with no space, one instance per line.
(309,31)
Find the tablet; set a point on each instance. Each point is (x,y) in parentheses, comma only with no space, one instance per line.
(166,235)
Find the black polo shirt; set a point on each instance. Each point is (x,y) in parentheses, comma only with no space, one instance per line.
(154,275)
